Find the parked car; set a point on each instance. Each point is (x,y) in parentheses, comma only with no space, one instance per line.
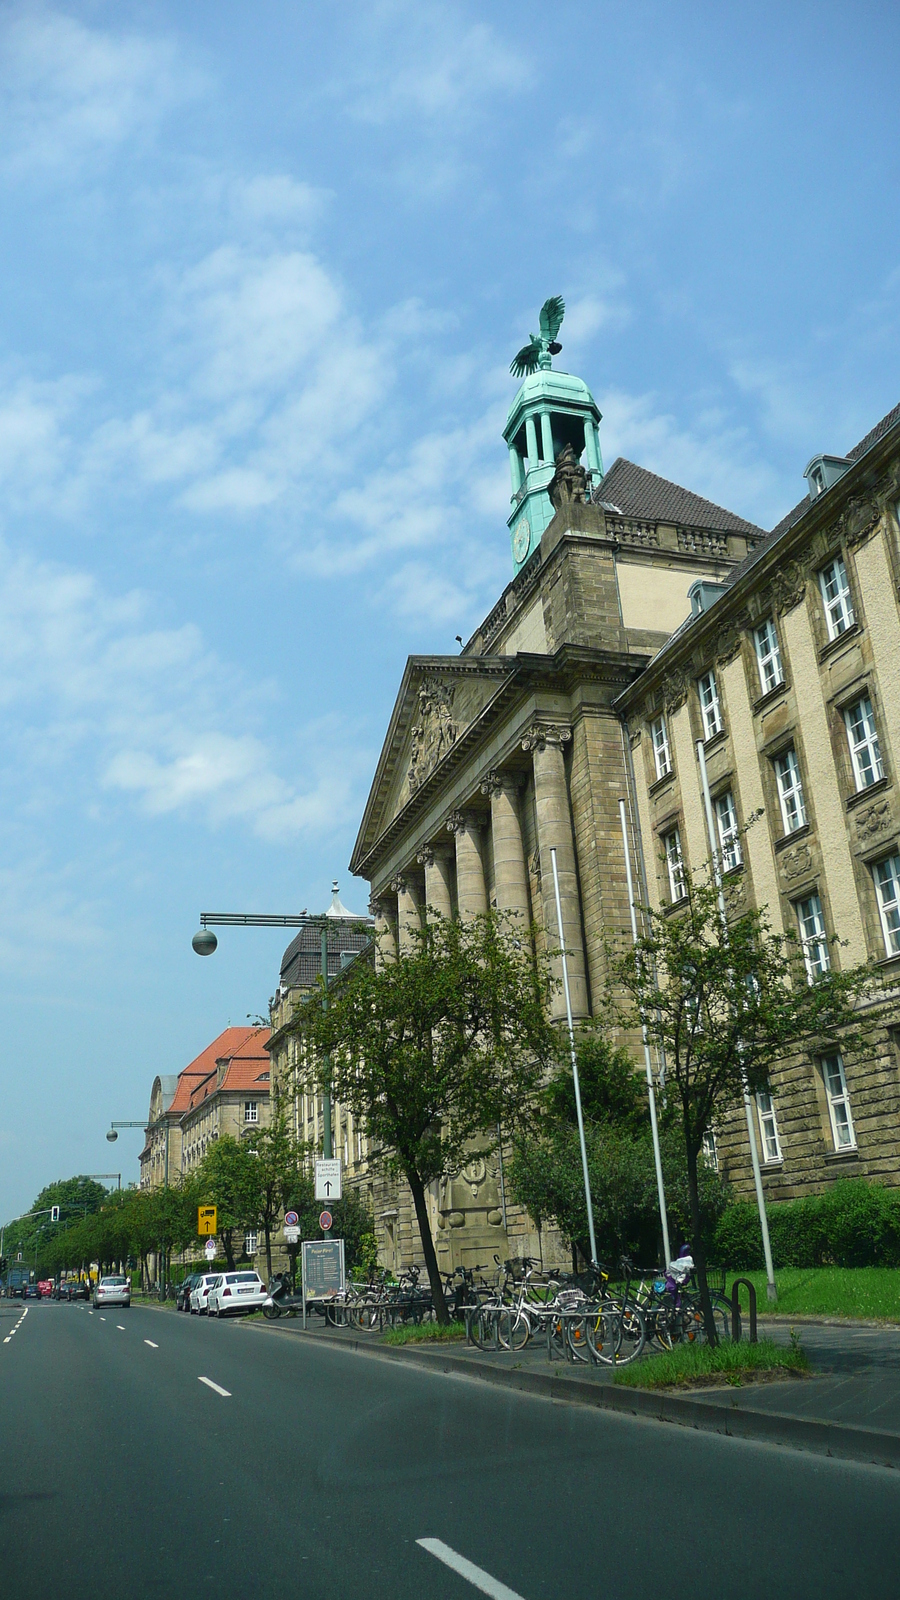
(235,1292)
(200,1293)
(46,1287)
(81,1290)
(112,1291)
(183,1292)
(31,1291)
(62,1291)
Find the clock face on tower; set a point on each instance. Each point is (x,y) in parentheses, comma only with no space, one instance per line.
(521,539)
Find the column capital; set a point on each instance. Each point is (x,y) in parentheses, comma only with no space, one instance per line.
(430,853)
(495,782)
(379,906)
(540,734)
(400,884)
(463,821)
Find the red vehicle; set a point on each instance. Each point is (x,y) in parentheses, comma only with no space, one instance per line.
(45,1287)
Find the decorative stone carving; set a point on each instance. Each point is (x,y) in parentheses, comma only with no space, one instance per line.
(674,689)
(858,518)
(495,782)
(728,639)
(873,819)
(569,484)
(425,857)
(378,907)
(544,733)
(435,730)
(788,586)
(796,862)
(456,822)
(400,884)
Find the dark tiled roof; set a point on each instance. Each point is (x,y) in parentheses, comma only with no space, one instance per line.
(878,432)
(301,964)
(639,493)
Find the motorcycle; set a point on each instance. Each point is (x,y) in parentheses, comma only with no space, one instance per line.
(281,1299)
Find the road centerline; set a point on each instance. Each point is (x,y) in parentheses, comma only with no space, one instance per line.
(467,1569)
(226,1393)
(151,1344)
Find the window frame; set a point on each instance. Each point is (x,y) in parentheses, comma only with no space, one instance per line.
(767,1122)
(768,656)
(870,743)
(795,791)
(251,1249)
(674,864)
(889,933)
(838,1101)
(662,750)
(251,1112)
(841,602)
(710,1149)
(729,847)
(711,709)
(818,939)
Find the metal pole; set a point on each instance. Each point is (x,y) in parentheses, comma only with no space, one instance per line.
(657,1158)
(502,1182)
(565,973)
(771,1291)
(327,1142)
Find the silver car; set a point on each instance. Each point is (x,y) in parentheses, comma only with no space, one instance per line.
(112,1292)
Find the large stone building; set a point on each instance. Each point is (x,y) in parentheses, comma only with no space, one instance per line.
(642,617)
(224,1090)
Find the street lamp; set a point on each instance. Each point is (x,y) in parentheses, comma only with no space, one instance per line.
(112,1136)
(205,942)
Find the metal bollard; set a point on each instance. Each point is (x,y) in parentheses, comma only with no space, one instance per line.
(736,1309)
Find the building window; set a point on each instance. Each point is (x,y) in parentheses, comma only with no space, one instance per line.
(790,791)
(661,754)
(838,1102)
(710,710)
(811,923)
(711,1150)
(251,1111)
(251,1240)
(729,838)
(887,885)
(768,1127)
(862,737)
(675,864)
(836,598)
(768,656)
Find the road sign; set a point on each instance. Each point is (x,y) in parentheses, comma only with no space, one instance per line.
(328,1179)
(291,1219)
(323,1266)
(291,1235)
(210,1248)
(206,1220)
(325,1221)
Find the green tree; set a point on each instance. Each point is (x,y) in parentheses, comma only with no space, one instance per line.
(353,1221)
(275,1166)
(435,1050)
(727,1002)
(225,1179)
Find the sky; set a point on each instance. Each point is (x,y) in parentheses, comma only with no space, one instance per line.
(263,272)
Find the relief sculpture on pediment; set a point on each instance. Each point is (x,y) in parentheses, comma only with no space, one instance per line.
(435,729)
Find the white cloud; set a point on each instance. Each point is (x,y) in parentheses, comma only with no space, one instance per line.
(426,61)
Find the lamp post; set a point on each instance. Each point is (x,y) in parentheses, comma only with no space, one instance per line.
(205,943)
(112,1136)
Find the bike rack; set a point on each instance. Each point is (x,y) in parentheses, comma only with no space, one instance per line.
(742,1283)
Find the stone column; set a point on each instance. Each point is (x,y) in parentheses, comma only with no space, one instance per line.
(547,437)
(471,894)
(531,442)
(438,894)
(408,920)
(385,932)
(510,871)
(554,829)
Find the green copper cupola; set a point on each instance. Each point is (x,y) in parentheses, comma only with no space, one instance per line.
(550,410)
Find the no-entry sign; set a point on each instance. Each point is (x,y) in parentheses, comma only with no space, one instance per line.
(325,1221)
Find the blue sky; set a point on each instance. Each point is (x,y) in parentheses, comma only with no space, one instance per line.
(263,272)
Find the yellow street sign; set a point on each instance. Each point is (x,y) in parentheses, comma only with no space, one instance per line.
(206,1220)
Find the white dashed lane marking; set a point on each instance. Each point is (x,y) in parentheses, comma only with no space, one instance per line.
(226,1393)
(120,1327)
(151,1344)
(475,1575)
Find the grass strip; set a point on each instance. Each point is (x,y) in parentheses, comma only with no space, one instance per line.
(870,1293)
(425,1333)
(694,1366)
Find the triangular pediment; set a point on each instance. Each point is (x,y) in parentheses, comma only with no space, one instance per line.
(440,699)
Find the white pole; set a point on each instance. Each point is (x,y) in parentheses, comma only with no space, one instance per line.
(771,1291)
(565,973)
(657,1158)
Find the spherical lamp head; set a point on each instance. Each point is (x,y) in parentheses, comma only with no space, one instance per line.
(204,941)
(112,1136)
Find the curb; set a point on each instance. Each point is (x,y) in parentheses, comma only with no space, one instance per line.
(837,1440)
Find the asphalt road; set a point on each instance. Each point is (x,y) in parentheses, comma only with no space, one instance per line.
(123,1475)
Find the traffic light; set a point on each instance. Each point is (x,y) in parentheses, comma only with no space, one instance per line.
(54,1213)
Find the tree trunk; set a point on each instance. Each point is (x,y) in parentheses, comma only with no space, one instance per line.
(431,1262)
(699,1253)
(228,1247)
(268,1236)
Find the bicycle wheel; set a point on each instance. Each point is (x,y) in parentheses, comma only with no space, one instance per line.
(603,1336)
(513,1328)
(633,1335)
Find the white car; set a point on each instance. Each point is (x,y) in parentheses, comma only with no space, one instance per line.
(112,1292)
(200,1293)
(235,1292)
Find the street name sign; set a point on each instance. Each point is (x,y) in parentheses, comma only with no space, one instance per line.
(210,1248)
(206,1221)
(328,1179)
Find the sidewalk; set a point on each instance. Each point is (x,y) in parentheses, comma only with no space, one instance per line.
(851,1409)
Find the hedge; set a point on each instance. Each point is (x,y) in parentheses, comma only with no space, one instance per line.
(853,1224)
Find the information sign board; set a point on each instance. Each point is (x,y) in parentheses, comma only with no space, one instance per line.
(323,1266)
(328,1179)
(206,1221)
(210,1248)
(291,1234)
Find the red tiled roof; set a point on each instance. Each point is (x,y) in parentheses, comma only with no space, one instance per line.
(245,1043)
